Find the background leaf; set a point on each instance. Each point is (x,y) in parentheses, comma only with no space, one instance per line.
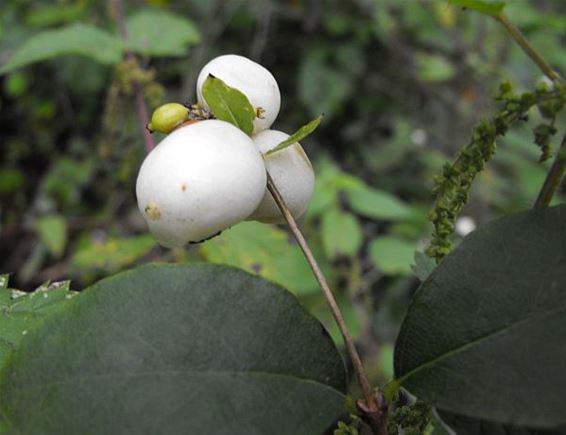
(154,32)
(490,7)
(81,39)
(377,204)
(423,265)
(171,349)
(341,233)
(433,68)
(485,333)
(392,255)
(228,104)
(112,254)
(263,250)
(52,231)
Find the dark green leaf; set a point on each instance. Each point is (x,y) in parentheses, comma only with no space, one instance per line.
(170,349)
(229,104)
(299,135)
(20,311)
(341,233)
(424,265)
(489,7)
(155,32)
(377,204)
(52,230)
(470,426)
(392,255)
(81,39)
(264,250)
(485,333)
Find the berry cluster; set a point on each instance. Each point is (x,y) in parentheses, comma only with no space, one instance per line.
(208,175)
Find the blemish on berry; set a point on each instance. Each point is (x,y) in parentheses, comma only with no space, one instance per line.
(184,187)
(152,211)
(260,112)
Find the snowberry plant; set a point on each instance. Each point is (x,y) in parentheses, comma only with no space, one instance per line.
(208,349)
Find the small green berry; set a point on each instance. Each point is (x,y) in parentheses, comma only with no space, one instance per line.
(168,116)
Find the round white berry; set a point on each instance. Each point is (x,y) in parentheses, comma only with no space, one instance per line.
(292,174)
(250,78)
(201,179)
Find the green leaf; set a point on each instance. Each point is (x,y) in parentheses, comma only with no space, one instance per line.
(81,39)
(52,15)
(52,230)
(424,265)
(341,233)
(263,250)
(471,426)
(317,305)
(299,135)
(377,204)
(113,254)
(433,68)
(20,311)
(485,333)
(229,104)
(171,349)
(392,255)
(489,7)
(155,32)
(328,76)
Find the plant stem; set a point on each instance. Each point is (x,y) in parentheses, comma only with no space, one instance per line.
(553,178)
(527,47)
(558,167)
(141,107)
(363,381)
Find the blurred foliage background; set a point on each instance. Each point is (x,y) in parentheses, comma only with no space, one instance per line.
(401,84)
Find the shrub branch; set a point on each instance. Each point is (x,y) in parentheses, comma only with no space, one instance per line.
(553,178)
(520,39)
(141,107)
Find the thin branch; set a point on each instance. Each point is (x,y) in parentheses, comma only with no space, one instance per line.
(371,401)
(553,178)
(141,107)
(556,172)
(527,47)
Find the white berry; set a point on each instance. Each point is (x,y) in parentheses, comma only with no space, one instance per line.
(201,179)
(292,174)
(250,78)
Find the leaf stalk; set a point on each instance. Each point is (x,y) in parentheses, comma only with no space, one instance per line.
(371,400)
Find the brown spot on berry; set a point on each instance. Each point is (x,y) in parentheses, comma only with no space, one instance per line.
(152,211)
(184,187)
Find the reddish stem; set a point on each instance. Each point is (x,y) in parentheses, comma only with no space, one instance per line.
(141,107)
